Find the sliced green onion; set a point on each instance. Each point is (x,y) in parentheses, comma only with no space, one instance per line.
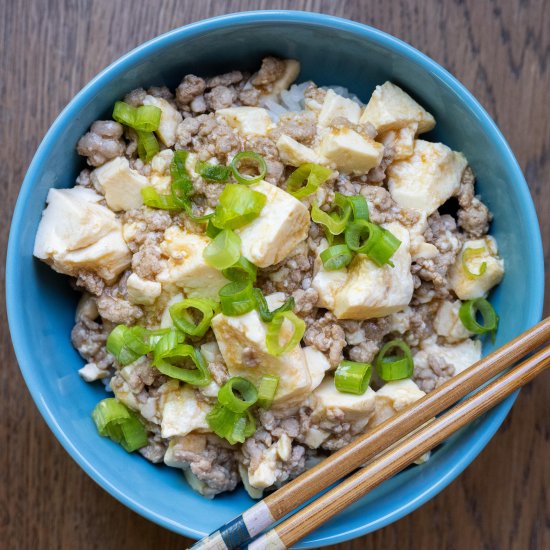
(263,309)
(167,362)
(468,315)
(267,390)
(237,298)
(359,207)
(182,184)
(394,367)
(116,421)
(306,179)
(352,377)
(212,230)
(128,344)
(273,338)
(224,250)
(337,218)
(212,172)
(248,156)
(232,426)
(183,320)
(241,270)
(238,206)
(238,394)
(467,255)
(145,118)
(153,199)
(377,243)
(147,145)
(335,257)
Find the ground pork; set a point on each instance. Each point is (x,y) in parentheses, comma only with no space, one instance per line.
(299,126)
(91,282)
(254,449)
(443,233)
(219,371)
(190,87)
(162,92)
(327,336)
(102,143)
(434,374)
(83,179)
(365,337)
(250,97)
(272,69)
(305,302)
(155,449)
(294,272)
(473,216)
(135,97)
(113,305)
(377,174)
(89,339)
(383,209)
(216,465)
(233,77)
(220,97)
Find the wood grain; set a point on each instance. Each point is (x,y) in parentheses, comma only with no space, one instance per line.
(50,49)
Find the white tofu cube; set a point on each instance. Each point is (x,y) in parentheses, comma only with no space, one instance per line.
(76,233)
(419,247)
(336,106)
(328,402)
(195,443)
(186,267)
(402,141)
(390,108)
(120,184)
(349,151)
(248,121)
(295,153)
(328,284)
(182,413)
(428,178)
(318,365)
(371,291)
(461,355)
(242,342)
(448,324)
(393,397)
(141,291)
(90,372)
(263,473)
(170,118)
(280,227)
(468,288)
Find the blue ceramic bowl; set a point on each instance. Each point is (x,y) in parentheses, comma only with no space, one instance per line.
(332,51)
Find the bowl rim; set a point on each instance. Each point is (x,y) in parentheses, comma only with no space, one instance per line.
(490,424)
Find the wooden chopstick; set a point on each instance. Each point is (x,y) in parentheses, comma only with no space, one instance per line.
(401,455)
(277,505)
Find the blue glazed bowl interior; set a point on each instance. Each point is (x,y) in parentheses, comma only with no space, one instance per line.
(331,51)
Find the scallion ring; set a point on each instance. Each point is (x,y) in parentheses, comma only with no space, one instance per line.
(213,172)
(394,367)
(224,250)
(467,255)
(263,308)
(267,390)
(337,218)
(153,199)
(306,179)
(336,257)
(237,298)
(352,377)
(238,394)
(238,206)
(145,118)
(181,316)
(468,315)
(359,207)
(128,344)
(170,363)
(116,421)
(276,327)
(377,243)
(147,145)
(234,427)
(211,230)
(248,156)
(241,270)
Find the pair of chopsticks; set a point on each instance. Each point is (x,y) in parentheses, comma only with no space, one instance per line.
(385,450)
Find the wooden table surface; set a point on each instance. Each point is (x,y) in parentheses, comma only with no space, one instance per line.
(50,49)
